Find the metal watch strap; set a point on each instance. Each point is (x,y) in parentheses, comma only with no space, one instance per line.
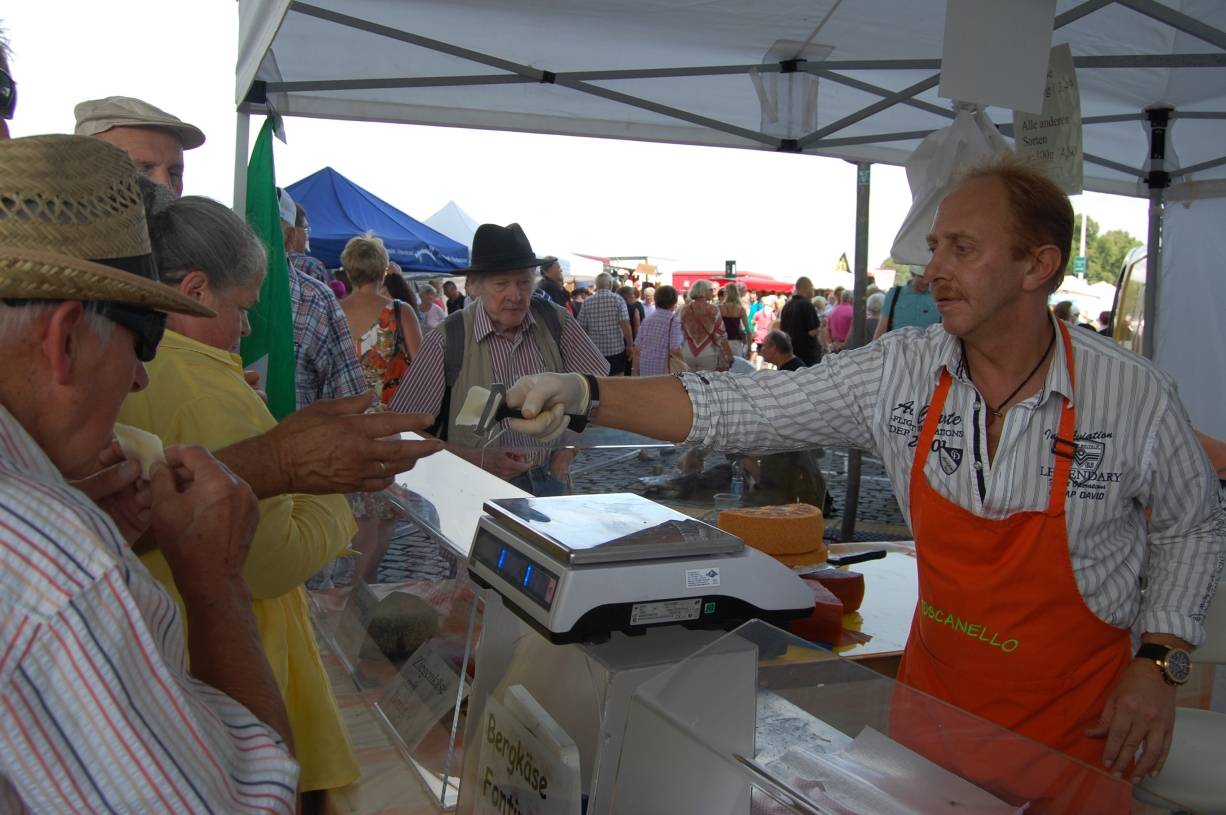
(578,423)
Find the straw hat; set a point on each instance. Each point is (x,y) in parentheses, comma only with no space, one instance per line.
(72,226)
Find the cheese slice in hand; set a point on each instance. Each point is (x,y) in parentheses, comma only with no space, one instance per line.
(140,446)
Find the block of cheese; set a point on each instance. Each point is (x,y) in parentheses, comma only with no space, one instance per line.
(825,624)
(846,585)
(810,558)
(140,446)
(787,529)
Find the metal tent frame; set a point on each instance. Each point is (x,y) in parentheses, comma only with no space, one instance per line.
(262,83)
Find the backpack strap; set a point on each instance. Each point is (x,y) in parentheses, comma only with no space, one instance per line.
(453,347)
(889,320)
(453,360)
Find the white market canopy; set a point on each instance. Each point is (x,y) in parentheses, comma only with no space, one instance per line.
(678,71)
(691,73)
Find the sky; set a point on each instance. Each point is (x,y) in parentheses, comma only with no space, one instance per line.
(694,207)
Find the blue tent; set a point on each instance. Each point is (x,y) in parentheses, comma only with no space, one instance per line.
(338,209)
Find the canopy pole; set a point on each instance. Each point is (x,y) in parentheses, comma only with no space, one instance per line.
(1158,179)
(242,143)
(864,174)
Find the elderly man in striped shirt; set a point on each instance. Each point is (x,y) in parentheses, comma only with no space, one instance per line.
(1047,475)
(505,334)
(100,712)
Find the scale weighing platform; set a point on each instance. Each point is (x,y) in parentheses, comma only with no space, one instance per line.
(579,567)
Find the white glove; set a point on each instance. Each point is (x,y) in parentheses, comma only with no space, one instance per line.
(545,400)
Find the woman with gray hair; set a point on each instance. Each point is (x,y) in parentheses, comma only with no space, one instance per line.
(706,345)
(197,395)
(872,308)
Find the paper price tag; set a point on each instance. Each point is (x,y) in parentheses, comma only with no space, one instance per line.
(1051,140)
(424,693)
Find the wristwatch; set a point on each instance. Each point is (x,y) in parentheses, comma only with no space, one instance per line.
(577,423)
(1175,663)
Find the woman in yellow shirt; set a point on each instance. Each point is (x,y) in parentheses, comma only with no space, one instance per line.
(197,395)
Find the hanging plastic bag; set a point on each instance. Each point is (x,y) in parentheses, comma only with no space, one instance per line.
(931,171)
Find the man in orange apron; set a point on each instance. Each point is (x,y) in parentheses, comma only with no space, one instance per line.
(1036,431)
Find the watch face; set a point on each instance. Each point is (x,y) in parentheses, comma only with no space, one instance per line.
(1178,665)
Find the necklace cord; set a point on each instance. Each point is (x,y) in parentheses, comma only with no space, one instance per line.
(996,410)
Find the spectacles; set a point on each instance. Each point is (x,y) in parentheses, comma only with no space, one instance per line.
(8,95)
(147,326)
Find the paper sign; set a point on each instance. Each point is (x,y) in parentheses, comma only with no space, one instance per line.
(995,52)
(517,772)
(424,693)
(1052,139)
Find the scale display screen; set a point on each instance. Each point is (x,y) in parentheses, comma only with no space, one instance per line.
(516,568)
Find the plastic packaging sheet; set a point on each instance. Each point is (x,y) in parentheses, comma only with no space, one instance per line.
(876,774)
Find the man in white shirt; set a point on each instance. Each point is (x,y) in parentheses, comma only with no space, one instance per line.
(1055,470)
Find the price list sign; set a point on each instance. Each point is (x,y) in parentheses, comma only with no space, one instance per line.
(1052,139)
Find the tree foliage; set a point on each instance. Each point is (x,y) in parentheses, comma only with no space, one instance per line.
(1104,251)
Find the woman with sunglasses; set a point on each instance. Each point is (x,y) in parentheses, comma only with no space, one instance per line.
(197,395)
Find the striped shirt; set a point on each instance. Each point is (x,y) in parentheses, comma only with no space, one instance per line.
(327,362)
(100,714)
(1135,450)
(658,335)
(512,356)
(602,317)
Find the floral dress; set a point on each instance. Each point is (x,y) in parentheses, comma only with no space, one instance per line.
(382,354)
(385,362)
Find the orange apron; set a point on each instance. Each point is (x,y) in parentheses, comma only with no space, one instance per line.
(1002,631)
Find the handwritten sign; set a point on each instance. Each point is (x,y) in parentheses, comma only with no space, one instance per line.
(425,692)
(1051,140)
(518,772)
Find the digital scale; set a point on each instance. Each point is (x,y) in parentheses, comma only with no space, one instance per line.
(577,568)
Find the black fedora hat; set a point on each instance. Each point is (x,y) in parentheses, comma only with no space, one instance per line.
(501,249)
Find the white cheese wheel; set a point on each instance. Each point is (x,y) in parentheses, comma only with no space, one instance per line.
(140,446)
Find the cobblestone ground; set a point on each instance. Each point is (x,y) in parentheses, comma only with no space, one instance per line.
(414,555)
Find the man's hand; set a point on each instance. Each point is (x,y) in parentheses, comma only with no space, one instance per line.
(331,447)
(1140,711)
(559,464)
(499,461)
(545,400)
(120,492)
(252,378)
(203,519)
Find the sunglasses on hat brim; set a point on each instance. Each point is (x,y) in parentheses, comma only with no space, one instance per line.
(146,325)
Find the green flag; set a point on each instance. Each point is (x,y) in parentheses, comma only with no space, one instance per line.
(270,346)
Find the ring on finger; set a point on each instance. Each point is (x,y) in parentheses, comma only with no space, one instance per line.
(382,469)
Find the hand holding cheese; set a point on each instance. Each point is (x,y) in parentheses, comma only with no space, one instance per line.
(140,446)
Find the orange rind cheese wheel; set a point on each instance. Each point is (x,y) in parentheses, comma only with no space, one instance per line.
(787,529)
(813,558)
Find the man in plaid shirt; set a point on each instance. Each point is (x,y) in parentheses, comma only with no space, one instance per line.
(296,245)
(327,362)
(606,320)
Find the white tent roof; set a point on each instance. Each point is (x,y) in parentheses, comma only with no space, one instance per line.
(455,223)
(678,71)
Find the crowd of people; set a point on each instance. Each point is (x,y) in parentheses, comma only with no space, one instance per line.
(157,650)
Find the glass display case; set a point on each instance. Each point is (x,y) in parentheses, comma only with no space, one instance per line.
(760,721)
